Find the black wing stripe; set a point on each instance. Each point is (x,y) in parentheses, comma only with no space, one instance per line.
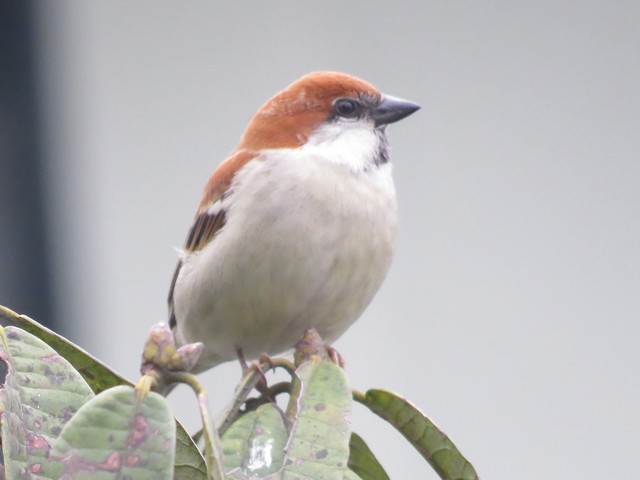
(204,229)
(172,315)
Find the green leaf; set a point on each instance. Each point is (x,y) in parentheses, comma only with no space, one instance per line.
(189,461)
(320,410)
(117,435)
(430,441)
(41,392)
(363,462)
(255,443)
(317,446)
(96,374)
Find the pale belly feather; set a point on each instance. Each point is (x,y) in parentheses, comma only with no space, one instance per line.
(271,273)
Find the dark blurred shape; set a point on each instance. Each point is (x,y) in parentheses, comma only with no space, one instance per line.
(24,265)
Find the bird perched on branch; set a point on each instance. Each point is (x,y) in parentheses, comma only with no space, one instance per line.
(296,228)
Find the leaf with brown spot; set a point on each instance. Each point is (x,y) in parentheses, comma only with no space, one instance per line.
(119,436)
(319,411)
(40,393)
(316,445)
(189,462)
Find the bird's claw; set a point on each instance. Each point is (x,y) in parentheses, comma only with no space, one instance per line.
(334,356)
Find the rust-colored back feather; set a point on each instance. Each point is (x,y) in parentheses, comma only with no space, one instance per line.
(221,179)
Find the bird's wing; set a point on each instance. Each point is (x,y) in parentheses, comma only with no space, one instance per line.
(211,214)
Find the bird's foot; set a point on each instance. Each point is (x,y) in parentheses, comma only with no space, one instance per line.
(257,366)
(334,356)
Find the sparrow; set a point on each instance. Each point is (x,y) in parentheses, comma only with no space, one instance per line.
(296,228)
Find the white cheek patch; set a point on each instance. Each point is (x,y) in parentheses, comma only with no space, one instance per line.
(354,144)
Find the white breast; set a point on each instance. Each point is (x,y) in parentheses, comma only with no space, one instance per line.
(307,243)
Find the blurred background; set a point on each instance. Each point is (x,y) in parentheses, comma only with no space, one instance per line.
(511,315)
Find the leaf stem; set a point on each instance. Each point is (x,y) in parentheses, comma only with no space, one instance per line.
(212,444)
(359,396)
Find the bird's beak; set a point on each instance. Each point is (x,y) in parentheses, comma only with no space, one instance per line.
(392,109)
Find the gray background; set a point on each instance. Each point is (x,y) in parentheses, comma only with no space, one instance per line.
(511,313)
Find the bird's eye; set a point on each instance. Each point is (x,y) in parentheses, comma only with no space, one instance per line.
(346,107)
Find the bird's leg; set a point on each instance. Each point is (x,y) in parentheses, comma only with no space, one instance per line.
(266,359)
(243,361)
(262,387)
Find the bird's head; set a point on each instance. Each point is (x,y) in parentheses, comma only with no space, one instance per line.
(321,106)
(332,116)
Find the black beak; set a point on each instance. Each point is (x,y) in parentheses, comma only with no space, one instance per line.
(392,109)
